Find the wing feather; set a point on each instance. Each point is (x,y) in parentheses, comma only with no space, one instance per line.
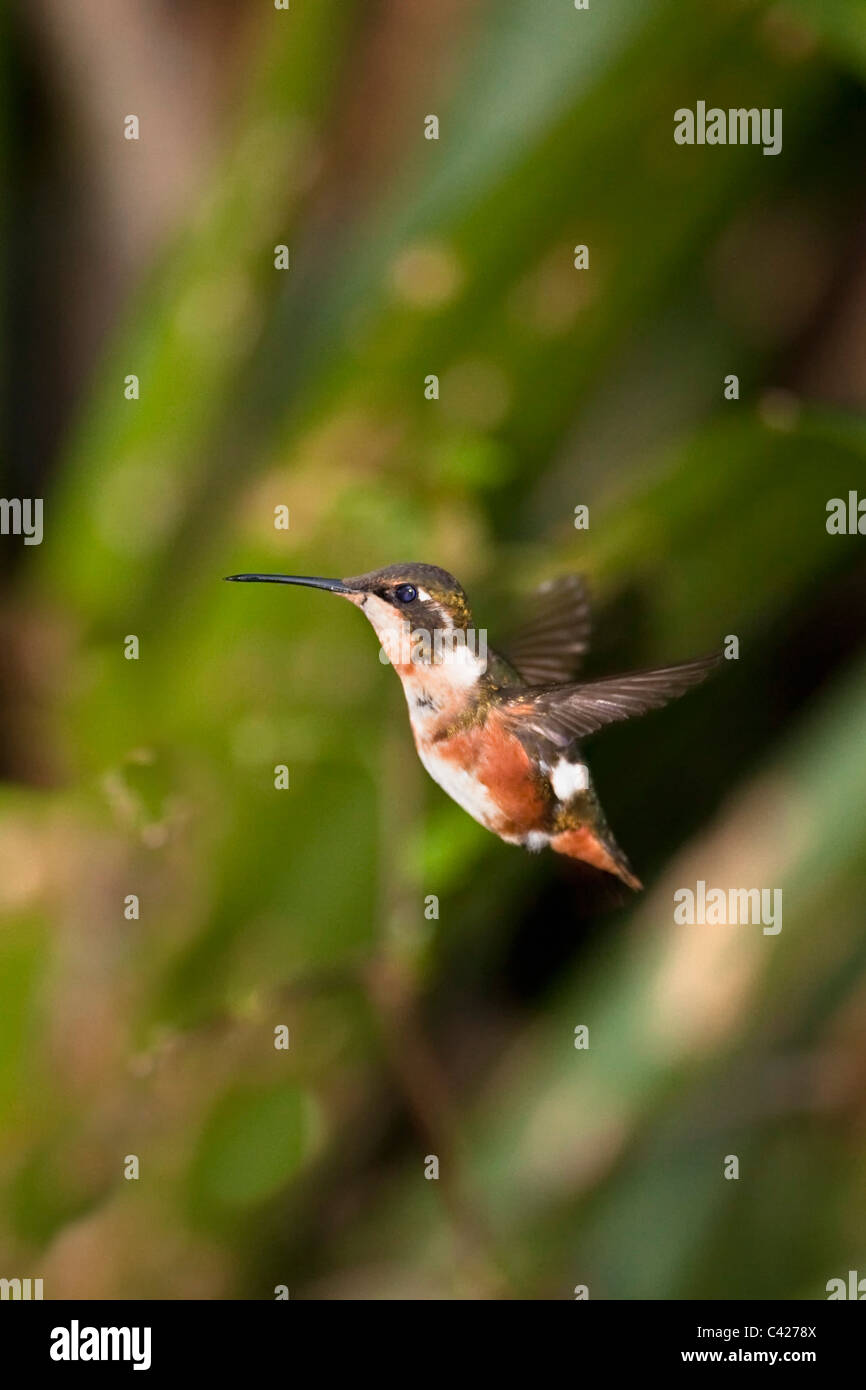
(548,647)
(559,714)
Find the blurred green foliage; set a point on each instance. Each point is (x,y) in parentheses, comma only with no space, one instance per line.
(259,388)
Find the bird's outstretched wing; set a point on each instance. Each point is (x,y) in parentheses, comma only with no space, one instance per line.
(547,648)
(554,716)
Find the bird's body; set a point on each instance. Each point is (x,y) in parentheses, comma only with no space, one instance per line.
(501,735)
(457,707)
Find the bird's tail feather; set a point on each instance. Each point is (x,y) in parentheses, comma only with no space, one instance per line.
(595,845)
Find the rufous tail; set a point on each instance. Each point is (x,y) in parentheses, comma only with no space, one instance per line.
(597,847)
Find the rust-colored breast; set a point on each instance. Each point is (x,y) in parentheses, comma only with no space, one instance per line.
(499,762)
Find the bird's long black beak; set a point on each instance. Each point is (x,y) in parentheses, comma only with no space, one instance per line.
(334,586)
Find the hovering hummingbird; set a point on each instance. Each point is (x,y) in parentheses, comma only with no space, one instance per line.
(502,734)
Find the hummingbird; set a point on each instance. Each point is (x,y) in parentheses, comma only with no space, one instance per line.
(503,734)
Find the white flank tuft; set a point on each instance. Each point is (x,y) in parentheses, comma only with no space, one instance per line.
(568,778)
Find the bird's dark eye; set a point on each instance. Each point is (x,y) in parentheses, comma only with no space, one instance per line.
(406,593)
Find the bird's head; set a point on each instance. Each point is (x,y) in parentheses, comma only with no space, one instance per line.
(399,600)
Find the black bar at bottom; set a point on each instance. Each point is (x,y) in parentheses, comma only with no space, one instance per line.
(412,1339)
